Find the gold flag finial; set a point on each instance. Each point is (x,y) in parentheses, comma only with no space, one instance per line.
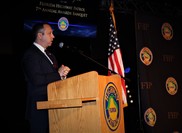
(111,9)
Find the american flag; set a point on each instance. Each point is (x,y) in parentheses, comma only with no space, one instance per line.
(115,62)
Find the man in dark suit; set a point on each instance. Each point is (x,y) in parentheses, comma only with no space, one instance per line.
(40,70)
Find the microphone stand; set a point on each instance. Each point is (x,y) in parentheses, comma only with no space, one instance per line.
(81,53)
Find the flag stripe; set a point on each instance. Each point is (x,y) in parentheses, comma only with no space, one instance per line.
(117,64)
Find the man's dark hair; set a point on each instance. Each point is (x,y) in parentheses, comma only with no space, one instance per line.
(38,28)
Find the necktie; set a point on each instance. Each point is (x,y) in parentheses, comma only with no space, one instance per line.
(52,58)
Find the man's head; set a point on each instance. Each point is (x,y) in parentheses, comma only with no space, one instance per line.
(43,34)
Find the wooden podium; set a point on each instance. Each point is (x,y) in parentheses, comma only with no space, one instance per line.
(86,103)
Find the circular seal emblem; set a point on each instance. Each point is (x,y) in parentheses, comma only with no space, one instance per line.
(146,56)
(167,31)
(63,24)
(111,106)
(150,117)
(171,86)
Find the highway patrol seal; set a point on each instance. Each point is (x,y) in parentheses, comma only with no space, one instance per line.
(112,106)
(63,23)
(171,86)
(146,56)
(150,117)
(167,31)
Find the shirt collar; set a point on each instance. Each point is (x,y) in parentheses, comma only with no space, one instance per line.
(39,47)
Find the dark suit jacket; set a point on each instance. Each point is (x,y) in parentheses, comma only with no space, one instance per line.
(39,72)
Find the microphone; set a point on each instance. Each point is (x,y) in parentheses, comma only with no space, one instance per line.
(61,44)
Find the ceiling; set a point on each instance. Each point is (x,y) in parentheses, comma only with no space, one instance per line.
(163,7)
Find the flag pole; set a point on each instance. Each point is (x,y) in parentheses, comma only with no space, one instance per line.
(111,9)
